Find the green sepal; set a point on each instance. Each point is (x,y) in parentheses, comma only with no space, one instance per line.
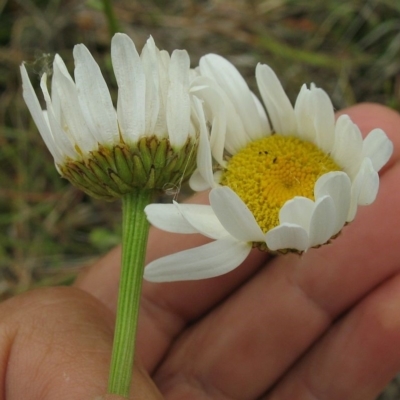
(76,176)
(88,173)
(113,193)
(145,155)
(160,155)
(150,163)
(81,181)
(164,175)
(151,180)
(139,171)
(153,144)
(103,176)
(124,170)
(108,157)
(123,187)
(185,161)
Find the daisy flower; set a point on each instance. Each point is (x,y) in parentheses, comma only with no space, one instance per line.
(148,141)
(287,178)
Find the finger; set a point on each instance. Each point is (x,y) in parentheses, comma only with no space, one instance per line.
(101,279)
(250,340)
(356,359)
(56,344)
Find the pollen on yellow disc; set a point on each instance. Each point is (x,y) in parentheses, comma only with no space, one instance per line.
(270,171)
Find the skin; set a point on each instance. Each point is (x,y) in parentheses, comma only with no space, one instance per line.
(323,326)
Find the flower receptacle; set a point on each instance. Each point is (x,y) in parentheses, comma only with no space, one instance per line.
(151,163)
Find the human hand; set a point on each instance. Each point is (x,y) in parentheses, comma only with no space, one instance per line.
(323,325)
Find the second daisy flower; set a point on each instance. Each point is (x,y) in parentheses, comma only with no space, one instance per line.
(287,179)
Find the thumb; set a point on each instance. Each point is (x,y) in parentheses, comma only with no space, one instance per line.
(56,343)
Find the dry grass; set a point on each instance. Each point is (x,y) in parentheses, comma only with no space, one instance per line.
(48,229)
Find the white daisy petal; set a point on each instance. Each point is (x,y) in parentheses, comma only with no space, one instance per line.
(230,80)
(276,101)
(378,148)
(185,218)
(152,100)
(94,97)
(178,102)
(207,261)
(368,182)
(364,188)
(203,219)
(36,111)
(347,148)
(69,111)
(234,215)
(236,137)
(337,185)
(60,73)
(297,211)
(287,236)
(163,66)
(353,204)
(204,175)
(304,120)
(214,108)
(168,218)
(324,119)
(197,182)
(131,81)
(322,223)
(229,131)
(64,144)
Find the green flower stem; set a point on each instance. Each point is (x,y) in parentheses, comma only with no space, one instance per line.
(135,229)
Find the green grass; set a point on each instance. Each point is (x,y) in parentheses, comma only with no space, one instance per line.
(48,229)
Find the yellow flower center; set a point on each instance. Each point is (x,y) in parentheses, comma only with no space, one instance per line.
(270,171)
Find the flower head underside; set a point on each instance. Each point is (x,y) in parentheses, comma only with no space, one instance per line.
(149,141)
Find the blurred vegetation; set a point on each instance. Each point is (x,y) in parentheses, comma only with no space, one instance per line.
(48,229)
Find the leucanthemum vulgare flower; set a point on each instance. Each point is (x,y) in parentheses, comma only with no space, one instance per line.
(149,141)
(287,179)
